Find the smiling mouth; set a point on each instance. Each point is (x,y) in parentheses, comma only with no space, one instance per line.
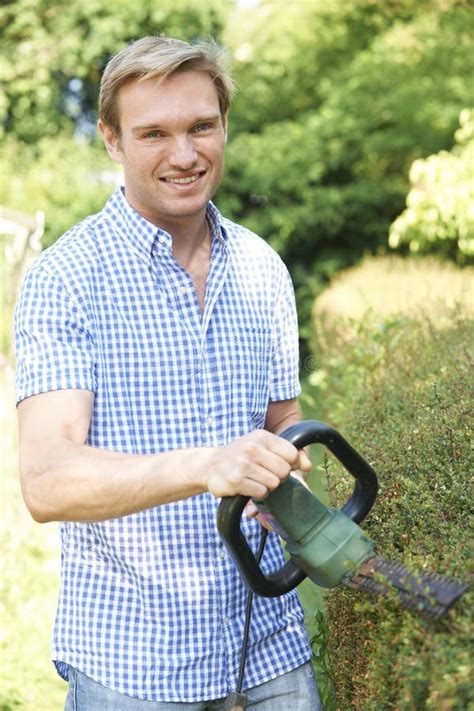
(188,180)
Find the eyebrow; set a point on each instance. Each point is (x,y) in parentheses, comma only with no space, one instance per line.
(156,126)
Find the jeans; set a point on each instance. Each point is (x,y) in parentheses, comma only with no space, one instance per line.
(296,690)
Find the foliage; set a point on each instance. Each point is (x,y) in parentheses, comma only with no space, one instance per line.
(60,49)
(337,101)
(400,390)
(440,205)
(322,663)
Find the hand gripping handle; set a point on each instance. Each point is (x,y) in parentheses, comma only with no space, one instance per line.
(357,507)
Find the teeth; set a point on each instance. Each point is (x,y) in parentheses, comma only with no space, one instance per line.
(182,181)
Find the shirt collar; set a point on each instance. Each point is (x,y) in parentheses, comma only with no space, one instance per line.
(216,224)
(142,235)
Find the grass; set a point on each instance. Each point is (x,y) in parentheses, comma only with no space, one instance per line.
(28,586)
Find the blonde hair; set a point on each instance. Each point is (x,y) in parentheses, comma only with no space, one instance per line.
(160,57)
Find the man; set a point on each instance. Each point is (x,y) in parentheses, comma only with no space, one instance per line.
(157,363)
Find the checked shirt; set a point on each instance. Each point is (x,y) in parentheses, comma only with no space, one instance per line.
(150,604)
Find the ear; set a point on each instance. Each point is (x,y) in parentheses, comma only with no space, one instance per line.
(111,141)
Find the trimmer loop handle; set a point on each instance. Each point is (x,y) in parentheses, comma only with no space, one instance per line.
(357,507)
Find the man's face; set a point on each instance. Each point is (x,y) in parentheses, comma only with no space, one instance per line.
(171,146)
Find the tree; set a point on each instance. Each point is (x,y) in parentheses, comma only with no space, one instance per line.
(337,100)
(60,48)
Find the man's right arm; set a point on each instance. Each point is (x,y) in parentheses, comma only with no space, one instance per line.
(63,479)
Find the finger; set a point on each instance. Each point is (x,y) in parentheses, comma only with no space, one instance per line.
(263,519)
(304,462)
(281,447)
(272,463)
(252,488)
(267,478)
(251,509)
(259,483)
(266,522)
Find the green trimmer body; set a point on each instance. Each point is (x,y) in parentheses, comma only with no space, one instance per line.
(323,542)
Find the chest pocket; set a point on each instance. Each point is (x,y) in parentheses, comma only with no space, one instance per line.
(242,363)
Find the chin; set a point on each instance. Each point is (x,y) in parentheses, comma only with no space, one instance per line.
(186,208)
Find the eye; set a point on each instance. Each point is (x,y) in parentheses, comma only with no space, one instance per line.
(152,134)
(200,127)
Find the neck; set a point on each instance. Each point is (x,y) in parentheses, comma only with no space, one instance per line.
(191,240)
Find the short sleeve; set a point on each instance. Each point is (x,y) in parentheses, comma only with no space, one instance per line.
(53,343)
(284,380)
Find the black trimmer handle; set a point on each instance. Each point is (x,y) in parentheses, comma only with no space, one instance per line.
(366,484)
(357,507)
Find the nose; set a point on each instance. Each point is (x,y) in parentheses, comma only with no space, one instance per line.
(183,154)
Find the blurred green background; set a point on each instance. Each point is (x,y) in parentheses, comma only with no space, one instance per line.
(351,138)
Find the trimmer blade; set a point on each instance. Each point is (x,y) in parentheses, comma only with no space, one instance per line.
(428,594)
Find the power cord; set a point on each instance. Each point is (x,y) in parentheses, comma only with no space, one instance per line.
(236,701)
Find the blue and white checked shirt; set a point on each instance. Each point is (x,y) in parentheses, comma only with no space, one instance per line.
(150,604)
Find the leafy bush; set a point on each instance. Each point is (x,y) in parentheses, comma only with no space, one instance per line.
(439,216)
(400,389)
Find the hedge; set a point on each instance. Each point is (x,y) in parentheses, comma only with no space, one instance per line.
(399,387)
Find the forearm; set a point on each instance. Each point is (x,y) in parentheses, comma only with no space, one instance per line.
(74,482)
(281,415)
(65,480)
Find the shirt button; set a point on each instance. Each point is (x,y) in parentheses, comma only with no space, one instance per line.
(209,421)
(161,239)
(183,289)
(226,621)
(222,555)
